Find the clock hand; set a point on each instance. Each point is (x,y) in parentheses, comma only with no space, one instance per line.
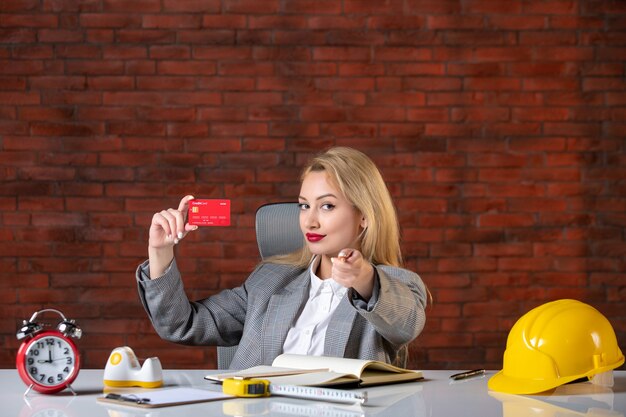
(49,360)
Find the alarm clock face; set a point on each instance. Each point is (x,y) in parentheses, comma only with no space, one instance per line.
(49,361)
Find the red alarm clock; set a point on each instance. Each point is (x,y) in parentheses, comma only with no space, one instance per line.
(48,361)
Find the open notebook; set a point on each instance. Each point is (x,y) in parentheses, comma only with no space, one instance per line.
(290,369)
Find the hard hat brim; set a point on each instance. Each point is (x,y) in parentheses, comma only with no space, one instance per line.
(503,383)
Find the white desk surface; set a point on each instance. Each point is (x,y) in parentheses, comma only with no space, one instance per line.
(434,396)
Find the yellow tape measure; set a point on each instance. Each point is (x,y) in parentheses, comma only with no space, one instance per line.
(246,387)
(251,387)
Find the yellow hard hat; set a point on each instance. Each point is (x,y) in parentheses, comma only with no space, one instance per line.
(556,343)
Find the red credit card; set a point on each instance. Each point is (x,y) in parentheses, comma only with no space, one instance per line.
(209,212)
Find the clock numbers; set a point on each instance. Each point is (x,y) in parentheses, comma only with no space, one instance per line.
(50,361)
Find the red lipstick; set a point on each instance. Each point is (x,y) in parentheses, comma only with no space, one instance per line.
(314,237)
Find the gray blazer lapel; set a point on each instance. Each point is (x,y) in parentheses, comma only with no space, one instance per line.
(281,312)
(339,328)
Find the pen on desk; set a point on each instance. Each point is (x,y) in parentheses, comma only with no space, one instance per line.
(129,398)
(467,374)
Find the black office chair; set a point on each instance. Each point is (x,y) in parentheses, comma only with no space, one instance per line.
(277,232)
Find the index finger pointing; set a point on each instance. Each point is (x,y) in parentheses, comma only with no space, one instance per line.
(345,254)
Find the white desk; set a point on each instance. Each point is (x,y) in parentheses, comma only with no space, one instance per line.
(435,396)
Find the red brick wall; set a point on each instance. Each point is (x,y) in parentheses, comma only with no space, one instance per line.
(498,125)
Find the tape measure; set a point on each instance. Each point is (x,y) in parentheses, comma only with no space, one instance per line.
(253,387)
(246,387)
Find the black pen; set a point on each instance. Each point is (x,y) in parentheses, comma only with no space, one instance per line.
(129,398)
(467,374)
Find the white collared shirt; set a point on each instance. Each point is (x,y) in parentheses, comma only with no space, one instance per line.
(307,336)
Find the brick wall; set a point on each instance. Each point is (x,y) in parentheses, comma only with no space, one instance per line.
(498,125)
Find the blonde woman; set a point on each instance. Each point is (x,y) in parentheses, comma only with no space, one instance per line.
(343,294)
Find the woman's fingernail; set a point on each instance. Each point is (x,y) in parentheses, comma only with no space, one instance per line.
(176,241)
(180,235)
(194,228)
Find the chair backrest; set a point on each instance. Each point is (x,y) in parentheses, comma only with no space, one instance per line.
(277,233)
(278,229)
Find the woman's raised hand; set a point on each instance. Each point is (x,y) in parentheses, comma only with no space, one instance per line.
(169,226)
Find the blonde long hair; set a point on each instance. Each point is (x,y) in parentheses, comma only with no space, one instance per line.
(358,178)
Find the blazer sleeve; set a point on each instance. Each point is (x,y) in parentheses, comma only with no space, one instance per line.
(217,320)
(397,309)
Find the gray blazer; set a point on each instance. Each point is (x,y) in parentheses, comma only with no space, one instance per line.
(257,315)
